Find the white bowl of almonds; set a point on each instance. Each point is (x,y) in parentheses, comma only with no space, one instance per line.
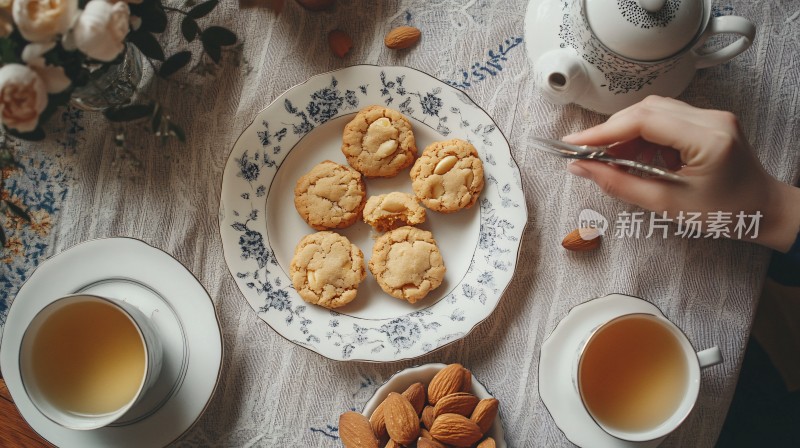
(428,406)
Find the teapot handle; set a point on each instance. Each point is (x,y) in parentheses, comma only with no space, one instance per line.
(723,25)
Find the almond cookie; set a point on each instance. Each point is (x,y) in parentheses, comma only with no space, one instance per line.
(390,211)
(326,269)
(330,196)
(407,263)
(448,176)
(379,142)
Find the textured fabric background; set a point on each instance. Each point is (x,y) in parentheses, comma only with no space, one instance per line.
(273,393)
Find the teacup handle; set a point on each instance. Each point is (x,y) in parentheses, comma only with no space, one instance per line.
(722,25)
(709,357)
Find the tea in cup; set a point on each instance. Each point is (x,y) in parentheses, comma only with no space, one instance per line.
(638,376)
(86,360)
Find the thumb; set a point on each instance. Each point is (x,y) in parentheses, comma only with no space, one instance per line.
(650,194)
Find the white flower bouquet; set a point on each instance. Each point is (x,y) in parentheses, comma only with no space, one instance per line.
(50,48)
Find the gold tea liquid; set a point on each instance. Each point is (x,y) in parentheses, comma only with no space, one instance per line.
(633,374)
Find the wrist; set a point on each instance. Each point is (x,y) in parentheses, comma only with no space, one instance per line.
(781,218)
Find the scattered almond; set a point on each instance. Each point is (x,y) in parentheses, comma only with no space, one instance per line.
(392,444)
(467,386)
(488,443)
(485,413)
(446,382)
(416,396)
(340,43)
(402,37)
(355,431)
(461,403)
(574,240)
(456,430)
(429,443)
(402,422)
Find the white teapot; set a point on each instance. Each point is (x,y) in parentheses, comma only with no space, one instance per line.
(605,55)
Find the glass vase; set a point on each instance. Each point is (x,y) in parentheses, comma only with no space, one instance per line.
(110,86)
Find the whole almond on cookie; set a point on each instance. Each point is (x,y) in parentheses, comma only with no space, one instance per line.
(355,431)
(456,430)
(575,240)
(378,422)
(402,422)
(416,396)
(340,43)
(402,37)
(485,413)
(460,403)
(488,443)
(447,381)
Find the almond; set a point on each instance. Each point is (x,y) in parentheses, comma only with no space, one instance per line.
(355,431)
(392,444)
(445,165)
(402,37)
(485,413)
(427,416)
(402,422)
(488,443)
(460,403)
(456,430)
(416,396)
(429,443)
(467,386)
(574,240)
(445,382)
(340,43)
(377,421)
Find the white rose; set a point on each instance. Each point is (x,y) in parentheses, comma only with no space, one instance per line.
(101,29)
(23,97)
(43,20)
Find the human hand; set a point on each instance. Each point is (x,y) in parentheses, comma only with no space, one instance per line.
(719,168)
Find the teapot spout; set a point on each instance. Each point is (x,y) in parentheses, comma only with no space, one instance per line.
(561,76)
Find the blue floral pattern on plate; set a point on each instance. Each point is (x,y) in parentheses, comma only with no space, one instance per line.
(256,158)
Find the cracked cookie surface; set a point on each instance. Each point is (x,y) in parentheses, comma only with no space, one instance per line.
(330,196)
(407,263)
(392,210)
(379,142)
(326,269)
(448,176)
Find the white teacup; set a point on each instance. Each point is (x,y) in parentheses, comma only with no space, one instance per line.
(86,360)
(638,376)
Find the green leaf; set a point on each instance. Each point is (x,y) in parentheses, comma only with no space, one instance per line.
(35,135)
(8,54)
(154,19)
(18,211)
(175,62)
(155,124)
(129,113)
(189,28)
(147,43)
(178,131)
(219,35)
(203,9)
(213,50)
(2,237)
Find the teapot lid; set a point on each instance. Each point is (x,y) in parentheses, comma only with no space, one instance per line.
(644,30)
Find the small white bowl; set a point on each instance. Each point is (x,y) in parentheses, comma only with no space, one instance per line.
(424,374)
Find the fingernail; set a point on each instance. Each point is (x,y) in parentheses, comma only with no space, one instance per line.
(576,169)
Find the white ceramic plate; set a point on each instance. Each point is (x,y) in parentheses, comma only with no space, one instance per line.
(260,226)
(556,365)
(180,310)
(401,380)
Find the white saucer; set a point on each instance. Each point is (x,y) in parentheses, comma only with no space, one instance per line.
(182,313)
(556,364)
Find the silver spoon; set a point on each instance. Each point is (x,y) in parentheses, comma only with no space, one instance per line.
(568,151)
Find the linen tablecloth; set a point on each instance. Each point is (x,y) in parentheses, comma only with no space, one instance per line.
(80,185)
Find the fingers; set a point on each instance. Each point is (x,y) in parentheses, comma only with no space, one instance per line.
(650,194)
